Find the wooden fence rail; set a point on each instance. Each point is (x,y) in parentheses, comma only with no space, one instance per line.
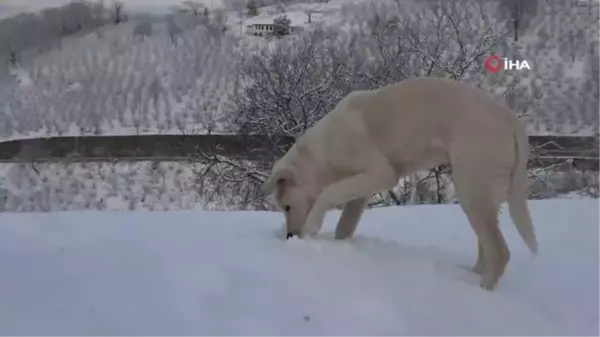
(546,149)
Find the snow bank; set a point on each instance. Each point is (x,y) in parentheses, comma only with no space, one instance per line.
(228,273)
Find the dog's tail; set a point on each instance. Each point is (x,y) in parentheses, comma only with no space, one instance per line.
(518,190)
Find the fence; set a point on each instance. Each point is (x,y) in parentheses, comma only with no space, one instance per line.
(546,150)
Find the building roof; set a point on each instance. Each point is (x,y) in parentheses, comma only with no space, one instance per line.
(297,19)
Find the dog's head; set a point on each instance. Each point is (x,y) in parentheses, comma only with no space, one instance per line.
(291,197)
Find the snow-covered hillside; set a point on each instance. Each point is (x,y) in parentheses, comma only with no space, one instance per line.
(114,82)
(101,186)
(171,186)
(13,7)
(216,273)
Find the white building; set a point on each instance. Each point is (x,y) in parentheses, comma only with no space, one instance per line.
(264,26)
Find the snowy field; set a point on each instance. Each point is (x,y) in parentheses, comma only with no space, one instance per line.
(230,273)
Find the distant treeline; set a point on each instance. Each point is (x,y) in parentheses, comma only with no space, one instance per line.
(545,149)
(42,31)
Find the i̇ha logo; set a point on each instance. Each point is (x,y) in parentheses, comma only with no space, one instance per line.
(495,63)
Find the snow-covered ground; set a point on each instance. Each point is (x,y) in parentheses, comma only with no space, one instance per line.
(228,273)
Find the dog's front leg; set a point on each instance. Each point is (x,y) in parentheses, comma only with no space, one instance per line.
(362,185)
(350,217)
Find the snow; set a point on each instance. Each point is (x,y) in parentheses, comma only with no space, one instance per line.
(227,273)
(329,14)
(14,7)
(22,77)
(92,84)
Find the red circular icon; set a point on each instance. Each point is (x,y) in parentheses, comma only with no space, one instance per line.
(493,63)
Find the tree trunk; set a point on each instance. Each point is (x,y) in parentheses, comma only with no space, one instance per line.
(438,184)
(516,18)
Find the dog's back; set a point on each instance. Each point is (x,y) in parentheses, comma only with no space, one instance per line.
(414,122)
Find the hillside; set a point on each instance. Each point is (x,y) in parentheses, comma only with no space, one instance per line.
(114,82)
(230,273)
(180,76)
(8,11)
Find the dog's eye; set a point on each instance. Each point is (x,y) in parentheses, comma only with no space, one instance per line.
(287,208)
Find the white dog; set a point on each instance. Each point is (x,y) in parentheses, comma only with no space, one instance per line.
(373,138)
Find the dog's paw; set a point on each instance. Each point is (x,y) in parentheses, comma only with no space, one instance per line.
(309,230)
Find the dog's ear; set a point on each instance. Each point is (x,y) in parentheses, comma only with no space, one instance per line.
(280,177)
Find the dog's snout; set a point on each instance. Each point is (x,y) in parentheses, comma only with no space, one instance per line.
(289,235)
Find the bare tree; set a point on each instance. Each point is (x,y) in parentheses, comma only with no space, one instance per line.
(282,92)
(216,23)
(173,29)
(192,7)
(99,13)
(287,89)
(442,38)
(118,12)
(589,94)
(281,26)
(143,29)
(252,8)
(309,13)
(576,41)
(519,12)
(591,186)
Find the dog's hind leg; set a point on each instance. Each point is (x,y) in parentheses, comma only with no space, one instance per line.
(493,246)
(478,268)
(481,187)
(493,253)
(353,210)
